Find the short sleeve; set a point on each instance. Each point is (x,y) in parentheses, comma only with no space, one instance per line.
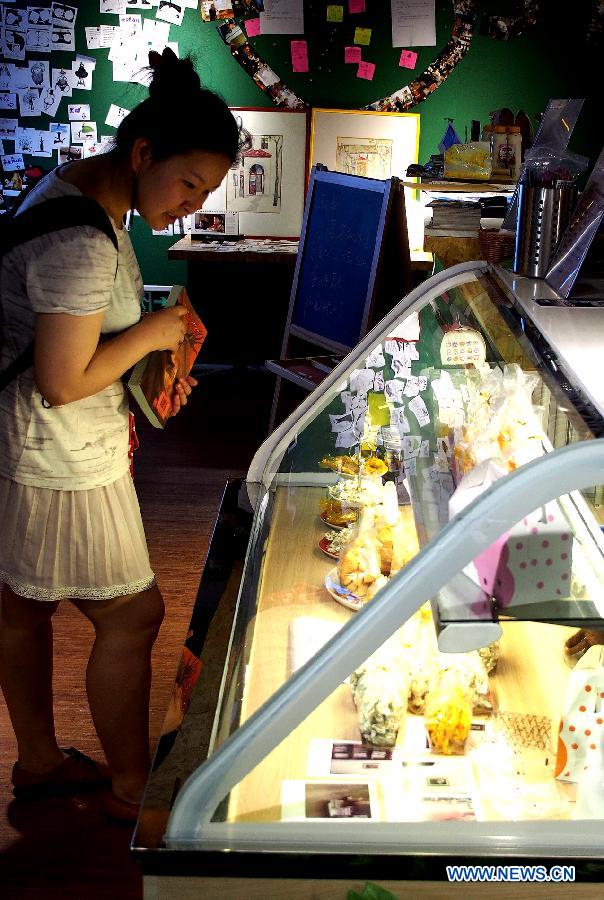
(71,271)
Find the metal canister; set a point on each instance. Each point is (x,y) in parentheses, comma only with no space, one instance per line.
(543,214)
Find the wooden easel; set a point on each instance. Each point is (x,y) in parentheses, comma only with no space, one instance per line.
(353,265)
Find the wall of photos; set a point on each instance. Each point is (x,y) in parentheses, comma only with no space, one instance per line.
(64,69)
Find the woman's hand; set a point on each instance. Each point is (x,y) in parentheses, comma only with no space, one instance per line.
(182,389)
(165,329)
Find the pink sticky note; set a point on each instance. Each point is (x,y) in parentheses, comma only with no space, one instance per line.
(408,59)
(356,6)
(352,54)
(299,53)
(366,70)
(252,26)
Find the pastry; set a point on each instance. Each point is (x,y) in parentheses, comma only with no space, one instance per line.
(334,512)
(348,465)
(467,667)
(374,466)
(359,567)
(380,696)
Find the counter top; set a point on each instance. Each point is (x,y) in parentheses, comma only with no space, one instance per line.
(576,334)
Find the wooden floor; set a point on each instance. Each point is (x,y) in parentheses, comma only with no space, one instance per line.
(66,849)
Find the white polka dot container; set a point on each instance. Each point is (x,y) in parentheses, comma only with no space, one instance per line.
(581,736)
(530,563)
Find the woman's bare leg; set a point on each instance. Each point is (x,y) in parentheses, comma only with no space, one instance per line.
(26,678)
(118,683)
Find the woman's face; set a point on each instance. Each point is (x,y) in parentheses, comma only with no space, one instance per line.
(178,186)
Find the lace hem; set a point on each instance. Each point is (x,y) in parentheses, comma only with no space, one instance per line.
(75,593)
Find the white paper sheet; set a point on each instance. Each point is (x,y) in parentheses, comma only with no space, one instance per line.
(282,17)
(115,115)
(8,101)
(413,23)
(12,162)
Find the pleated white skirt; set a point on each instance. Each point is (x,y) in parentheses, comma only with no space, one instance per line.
(73,544)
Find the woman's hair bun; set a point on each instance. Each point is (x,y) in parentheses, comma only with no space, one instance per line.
(171,77)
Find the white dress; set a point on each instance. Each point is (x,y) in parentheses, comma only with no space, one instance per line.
(70,524)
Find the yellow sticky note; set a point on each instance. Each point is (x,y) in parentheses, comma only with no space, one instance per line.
(362,35)
(335,13)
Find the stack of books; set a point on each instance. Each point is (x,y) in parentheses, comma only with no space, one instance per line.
(455,216)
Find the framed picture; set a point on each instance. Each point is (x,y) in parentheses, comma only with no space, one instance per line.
(214,223)
(371,144)
(266,184)
(364,142)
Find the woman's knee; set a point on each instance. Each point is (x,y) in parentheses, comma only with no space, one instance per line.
(137,615)
(154,611)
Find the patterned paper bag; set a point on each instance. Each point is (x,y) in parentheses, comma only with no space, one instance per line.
(581,735)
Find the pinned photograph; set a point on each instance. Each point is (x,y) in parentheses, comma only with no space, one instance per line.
(232,34)
(213,10)
(69,154)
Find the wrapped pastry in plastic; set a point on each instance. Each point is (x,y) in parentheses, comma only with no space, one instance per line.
(359,569)
(397,538)
(490,656)
(468,161)
(380,696)
(448,714)
(469,670)
(501,422)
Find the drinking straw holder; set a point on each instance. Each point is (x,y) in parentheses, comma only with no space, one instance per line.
(543,214)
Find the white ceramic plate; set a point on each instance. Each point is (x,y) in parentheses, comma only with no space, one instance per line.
(341,594)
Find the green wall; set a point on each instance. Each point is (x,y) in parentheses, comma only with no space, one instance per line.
(553,60)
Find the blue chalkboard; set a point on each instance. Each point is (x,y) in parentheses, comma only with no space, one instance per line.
(337,262)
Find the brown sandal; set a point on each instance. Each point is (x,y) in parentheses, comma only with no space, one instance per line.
(75,774)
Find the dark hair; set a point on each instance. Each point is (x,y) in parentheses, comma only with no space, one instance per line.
(179,115)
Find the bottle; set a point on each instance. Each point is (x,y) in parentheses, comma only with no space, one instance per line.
(526,132)
(487,136)
(506,152)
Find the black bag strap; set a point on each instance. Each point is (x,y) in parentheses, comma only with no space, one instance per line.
(18,365)
(44,218)
(55,215)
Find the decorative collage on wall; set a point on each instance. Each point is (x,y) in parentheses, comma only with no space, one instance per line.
(46,55)
(41,62)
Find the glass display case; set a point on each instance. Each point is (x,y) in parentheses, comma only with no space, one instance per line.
(399,621)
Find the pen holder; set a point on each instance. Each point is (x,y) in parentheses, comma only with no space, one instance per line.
(543,214)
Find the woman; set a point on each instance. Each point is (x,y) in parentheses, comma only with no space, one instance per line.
(71,526)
